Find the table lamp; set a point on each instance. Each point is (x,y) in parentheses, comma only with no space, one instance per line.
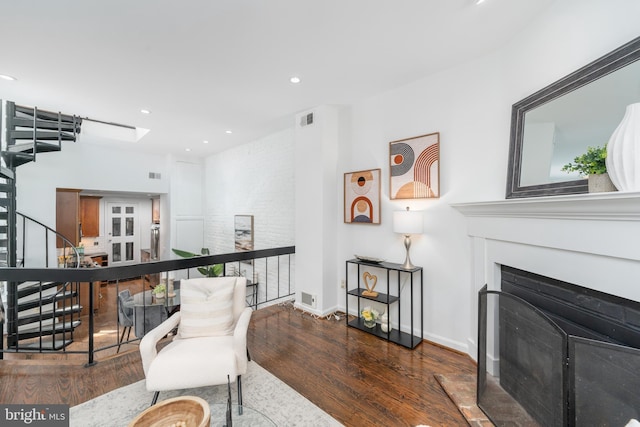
(407,223)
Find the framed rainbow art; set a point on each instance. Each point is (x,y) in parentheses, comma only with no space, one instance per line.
(362,197)
(414,166)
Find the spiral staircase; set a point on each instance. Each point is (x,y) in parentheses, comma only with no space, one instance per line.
(39,315)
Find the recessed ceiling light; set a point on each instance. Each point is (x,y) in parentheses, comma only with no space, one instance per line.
(145,111)
(205,142)
(228,131)
(295,79)
(479,1)
(187,149)
(7,77)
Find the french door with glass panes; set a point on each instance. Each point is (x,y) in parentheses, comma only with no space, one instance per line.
(123,232)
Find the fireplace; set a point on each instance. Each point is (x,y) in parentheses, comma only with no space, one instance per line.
(557,354)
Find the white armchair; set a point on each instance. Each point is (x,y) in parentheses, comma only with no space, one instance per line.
(211,343)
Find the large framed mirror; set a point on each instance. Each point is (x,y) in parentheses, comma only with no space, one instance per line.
(556,124)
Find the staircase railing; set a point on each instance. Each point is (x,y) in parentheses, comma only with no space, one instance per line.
(267,266)
(66,243)
(56,311)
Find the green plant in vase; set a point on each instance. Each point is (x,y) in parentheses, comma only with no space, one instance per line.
(159,291)
(208,271)
(592,165)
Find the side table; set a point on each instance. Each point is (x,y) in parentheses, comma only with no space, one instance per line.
(391,297)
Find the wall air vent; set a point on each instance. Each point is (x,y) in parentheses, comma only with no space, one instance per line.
(306,120)
(308,299)
(154,175)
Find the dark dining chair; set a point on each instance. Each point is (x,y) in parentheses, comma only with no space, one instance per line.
(125,315)
(147,317)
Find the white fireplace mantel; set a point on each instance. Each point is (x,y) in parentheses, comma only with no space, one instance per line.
(613,206)
(591,240)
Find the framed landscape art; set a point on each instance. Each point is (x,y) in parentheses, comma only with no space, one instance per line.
(243,232)
(415,167)
(362,197)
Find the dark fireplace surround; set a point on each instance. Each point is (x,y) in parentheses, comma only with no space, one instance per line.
(567,355)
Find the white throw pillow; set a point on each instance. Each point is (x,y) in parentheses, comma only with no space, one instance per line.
(206,307)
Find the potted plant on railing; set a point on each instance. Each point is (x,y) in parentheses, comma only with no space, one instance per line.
(208,271)
(592,165)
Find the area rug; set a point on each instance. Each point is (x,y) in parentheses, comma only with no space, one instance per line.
(261,391)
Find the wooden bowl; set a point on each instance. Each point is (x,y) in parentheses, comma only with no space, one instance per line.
(185,411)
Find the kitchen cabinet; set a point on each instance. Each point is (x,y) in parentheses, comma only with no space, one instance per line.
(76,216)
(68,215)
(90,216)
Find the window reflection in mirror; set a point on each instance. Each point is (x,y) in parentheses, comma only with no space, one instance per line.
(558,131)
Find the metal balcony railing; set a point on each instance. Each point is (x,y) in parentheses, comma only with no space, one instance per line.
(270,272)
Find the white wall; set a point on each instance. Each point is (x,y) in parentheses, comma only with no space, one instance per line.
(86,166)
(470,106)
(186,204)
(253,179)
(317,207)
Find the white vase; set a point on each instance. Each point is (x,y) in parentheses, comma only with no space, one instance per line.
(623,151)
(384,322)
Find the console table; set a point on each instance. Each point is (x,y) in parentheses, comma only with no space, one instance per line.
(391,297)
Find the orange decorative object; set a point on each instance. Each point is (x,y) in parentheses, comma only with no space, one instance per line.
(370,292)
(184,410)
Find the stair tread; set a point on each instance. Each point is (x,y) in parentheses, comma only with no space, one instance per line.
(48,314)
(41,135)
(49,299)
(29,288)
(67,126)
(58,327)
(36,295)
(30,283)
(7,173)
(17,159)
(25,149)
(47,115)
(48,342)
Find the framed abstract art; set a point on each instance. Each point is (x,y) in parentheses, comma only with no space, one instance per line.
(362,197)
(414,167)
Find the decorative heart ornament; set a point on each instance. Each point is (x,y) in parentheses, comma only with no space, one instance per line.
(374,279)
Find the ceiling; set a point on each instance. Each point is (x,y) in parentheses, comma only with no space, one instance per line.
(204,67)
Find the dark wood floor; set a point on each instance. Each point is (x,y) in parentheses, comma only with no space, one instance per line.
(357,378)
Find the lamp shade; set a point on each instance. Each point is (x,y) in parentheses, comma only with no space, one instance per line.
(407,222)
